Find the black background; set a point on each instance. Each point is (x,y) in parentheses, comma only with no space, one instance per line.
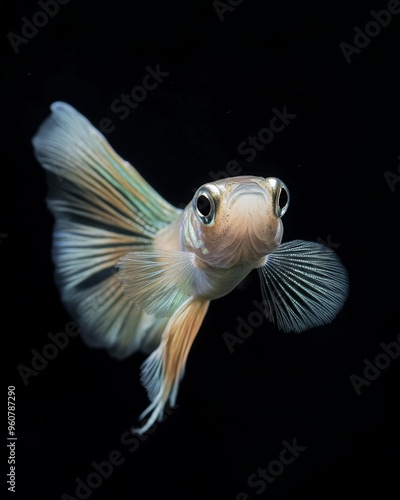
(225,78)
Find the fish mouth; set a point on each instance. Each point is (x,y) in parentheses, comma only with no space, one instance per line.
(251,189)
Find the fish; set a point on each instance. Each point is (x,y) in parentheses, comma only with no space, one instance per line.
(138,273)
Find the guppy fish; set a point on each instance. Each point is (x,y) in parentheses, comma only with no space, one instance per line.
(151,269)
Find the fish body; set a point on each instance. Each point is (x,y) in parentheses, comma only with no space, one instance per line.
(152,269)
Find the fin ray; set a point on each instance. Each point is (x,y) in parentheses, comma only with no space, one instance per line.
(304,285)
(159,281)
(163,370)
(103,209)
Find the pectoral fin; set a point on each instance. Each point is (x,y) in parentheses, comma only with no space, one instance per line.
(158,281)
(164,368)
(304,285)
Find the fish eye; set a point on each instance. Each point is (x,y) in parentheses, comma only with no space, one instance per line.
(283,199)
(204,207)
(280,196)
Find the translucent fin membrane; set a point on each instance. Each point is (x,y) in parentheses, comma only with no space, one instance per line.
(103,210)
(158,281)
(304,285)
(164,368)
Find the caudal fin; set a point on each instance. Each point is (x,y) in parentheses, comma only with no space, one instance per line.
(103,209)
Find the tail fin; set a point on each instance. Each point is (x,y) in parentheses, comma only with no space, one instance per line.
(103,209)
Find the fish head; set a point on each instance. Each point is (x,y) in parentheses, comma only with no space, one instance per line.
(236,221)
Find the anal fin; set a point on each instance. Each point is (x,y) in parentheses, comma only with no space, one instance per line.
(164,368)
